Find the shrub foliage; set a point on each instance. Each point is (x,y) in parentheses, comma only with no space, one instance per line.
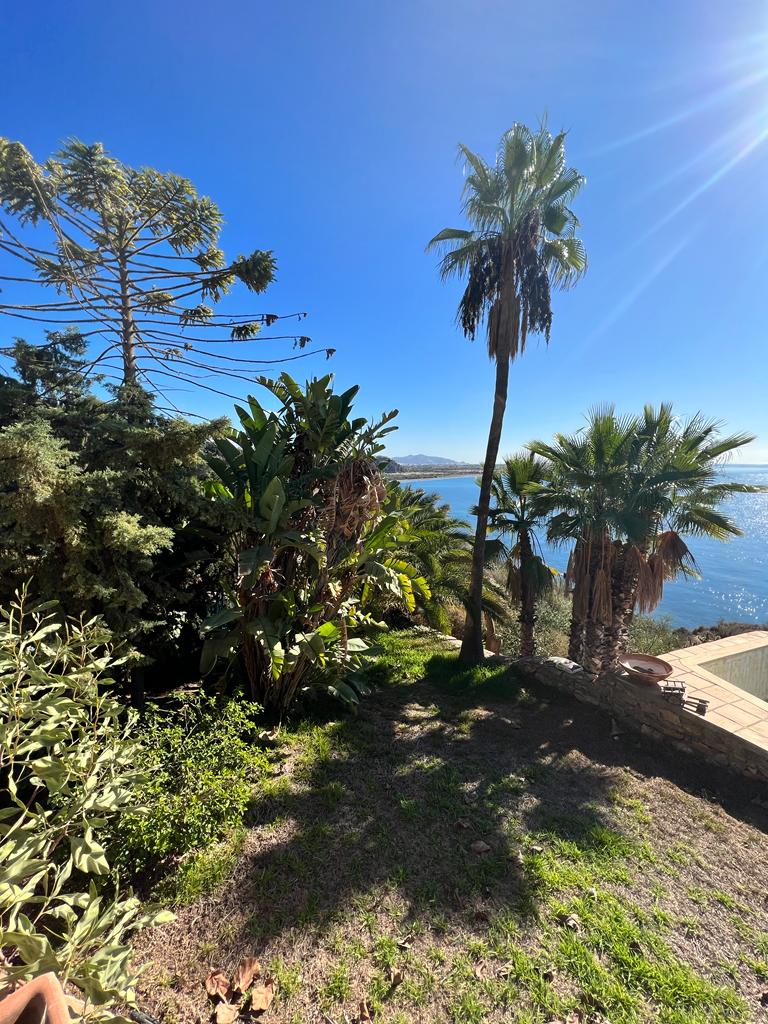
(199,772)
(312,537)
(68,761)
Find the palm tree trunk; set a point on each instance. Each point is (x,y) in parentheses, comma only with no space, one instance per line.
(626,580)
(576,640)
(579,601)
(472,643)
(592,627)
(597,619)
(527,598)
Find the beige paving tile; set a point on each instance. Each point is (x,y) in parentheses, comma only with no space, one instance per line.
(739,717)
(753,704)
(715,718)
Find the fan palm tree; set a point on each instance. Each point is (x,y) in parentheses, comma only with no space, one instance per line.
(584,498)
(516,514)
(520,243)
(627,491)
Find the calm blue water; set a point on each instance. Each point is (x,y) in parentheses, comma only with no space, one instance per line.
(734,583)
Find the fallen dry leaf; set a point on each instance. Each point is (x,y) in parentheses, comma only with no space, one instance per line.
(364,1012)
(462,823)
(217,984)
(572,921)
(226,1013)
(262,995)
(248,969)
(394,977)
(480,846)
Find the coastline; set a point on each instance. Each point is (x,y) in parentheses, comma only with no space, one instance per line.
(433,472)
(735,599)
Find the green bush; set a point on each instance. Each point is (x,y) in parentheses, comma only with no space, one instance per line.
(654,636)
(305,501)
(70,767)
(102,503)
(553,616)
(200,768)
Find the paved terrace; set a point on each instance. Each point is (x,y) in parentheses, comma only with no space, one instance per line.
(734,732)
(730,707)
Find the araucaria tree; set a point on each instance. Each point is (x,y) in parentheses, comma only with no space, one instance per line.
(133,259)
(626,491)
(520,243)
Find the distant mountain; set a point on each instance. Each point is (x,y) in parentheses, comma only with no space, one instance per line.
(424,460)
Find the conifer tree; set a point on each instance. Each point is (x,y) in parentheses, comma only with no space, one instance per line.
(131,259)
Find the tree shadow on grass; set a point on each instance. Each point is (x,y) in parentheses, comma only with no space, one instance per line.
(367,839)
(423,804)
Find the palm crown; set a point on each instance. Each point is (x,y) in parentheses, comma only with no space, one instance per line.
(521,241)
(627,490)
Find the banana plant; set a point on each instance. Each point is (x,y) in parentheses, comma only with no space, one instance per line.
(312,542)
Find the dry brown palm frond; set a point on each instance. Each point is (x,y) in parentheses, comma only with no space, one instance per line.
(355,498)
(674,554)
(602,604)
(581,598)
(646,590)
(580,581)
(655,586)
(514,581)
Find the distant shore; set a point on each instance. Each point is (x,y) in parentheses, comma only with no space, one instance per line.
(433,472)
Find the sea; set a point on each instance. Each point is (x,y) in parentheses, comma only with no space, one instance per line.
(734,573)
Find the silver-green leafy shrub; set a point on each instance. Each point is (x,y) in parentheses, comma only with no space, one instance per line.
(68,758)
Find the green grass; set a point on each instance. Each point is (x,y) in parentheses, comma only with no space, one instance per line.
(201,873)
(618,960)
(571,911)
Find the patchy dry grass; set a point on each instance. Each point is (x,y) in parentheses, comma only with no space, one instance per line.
(609,886)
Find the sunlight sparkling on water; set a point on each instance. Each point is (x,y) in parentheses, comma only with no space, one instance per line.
(734,583)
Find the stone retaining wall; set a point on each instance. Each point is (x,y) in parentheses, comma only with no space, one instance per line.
(644,710)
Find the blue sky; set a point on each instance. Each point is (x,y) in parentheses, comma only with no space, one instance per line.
(328,132)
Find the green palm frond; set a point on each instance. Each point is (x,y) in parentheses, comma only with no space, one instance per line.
(521,239)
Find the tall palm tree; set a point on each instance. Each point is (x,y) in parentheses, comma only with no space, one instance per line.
(627,491)
(521,243)
(515,516)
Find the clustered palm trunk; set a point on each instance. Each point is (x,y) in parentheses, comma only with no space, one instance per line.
(624,492)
